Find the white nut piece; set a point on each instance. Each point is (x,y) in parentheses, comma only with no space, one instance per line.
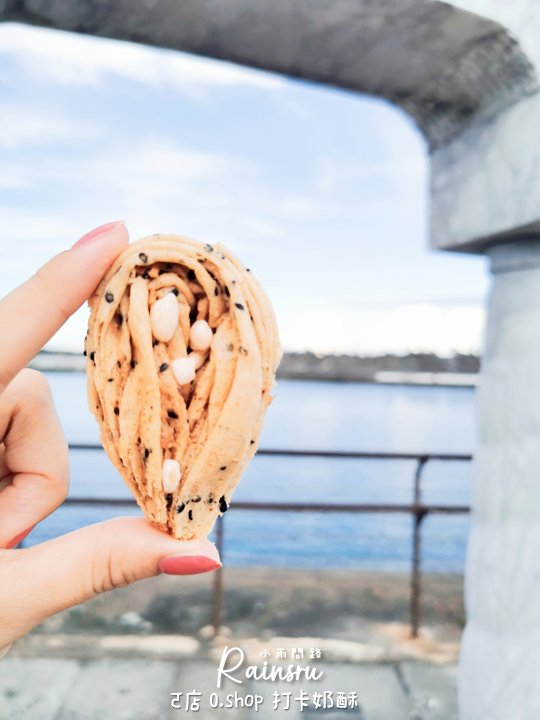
(184,369)
(199,358)
(164,317)
(170,475)
(200,335)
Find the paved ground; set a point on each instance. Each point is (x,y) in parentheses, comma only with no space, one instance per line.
(140,689)
(260,601)
(120,656)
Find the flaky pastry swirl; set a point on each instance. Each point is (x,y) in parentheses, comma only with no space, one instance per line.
(208,428)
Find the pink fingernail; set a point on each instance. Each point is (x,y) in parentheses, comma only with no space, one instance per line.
(99,233)
(187,564)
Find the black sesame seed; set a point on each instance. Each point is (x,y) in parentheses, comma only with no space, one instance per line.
(92,356)
(230,347)
(191,275)
(239,306)
(120,318)
(163,367)
(252,442)
(248,270)
(84,353)
(133,364)
(216,291)
(196,499)
(117,362)
(180,508)
(147,452)
(175,291)
(111,380)
(233,282)
(227,293)
(155,342)
(143,257)
(172,414)
(223,468)
(190,514)
(168,498)
(208,248)
(210,499)
(138,441)
(109,297)
(117,411)
(243,350)
(223,507)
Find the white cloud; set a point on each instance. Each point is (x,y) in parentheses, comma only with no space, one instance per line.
(70,59)
(417,328)
(21,126)
(158,185)
(283,216)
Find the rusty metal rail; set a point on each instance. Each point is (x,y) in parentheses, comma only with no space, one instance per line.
(417,508)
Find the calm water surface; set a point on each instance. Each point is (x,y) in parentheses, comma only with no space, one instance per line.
(321,416)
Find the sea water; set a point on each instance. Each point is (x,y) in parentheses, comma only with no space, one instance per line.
(309,415)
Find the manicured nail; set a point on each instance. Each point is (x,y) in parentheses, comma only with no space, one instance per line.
(188,564)
(98,233)
(17,539)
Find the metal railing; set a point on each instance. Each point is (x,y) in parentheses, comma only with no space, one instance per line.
(417,508)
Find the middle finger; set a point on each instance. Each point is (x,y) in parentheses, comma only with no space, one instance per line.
(35,459)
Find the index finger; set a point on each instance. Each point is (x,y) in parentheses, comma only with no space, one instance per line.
(33,312)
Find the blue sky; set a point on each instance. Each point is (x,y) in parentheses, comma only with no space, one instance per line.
(322,193)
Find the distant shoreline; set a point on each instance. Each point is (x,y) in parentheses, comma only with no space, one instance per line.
(412,369)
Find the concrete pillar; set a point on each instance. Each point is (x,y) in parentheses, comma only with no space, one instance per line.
(500,660)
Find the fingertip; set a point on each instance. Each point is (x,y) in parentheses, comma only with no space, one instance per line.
(113,231)
(191,557)
(187,564)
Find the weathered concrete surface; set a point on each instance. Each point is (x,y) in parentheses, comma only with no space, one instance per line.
(444,66)
(500,660)
(432,690)
(40,689)
(486,181)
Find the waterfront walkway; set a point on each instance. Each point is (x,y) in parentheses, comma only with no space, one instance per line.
(121,655)
(140,689)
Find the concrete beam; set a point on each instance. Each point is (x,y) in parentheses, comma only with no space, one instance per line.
(486,181)
(444,66)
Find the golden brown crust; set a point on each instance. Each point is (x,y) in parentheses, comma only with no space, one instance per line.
(211,426)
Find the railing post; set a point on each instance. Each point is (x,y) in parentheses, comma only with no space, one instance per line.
(416,575)
(217,594)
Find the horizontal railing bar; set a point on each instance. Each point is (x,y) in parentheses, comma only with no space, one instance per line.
(301,507)
(359,508)
(374,455)
(331,454)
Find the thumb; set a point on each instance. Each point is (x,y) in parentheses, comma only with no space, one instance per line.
(40,581)
(33,312)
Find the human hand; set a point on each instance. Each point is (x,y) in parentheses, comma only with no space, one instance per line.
(40,581)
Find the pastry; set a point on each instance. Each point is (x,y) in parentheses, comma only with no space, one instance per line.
(182,350)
